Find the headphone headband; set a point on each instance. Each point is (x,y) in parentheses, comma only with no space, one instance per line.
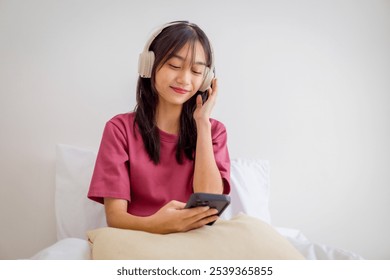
(160,29)
(147,58)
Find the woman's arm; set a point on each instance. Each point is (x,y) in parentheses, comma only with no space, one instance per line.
(207,177)
(170,218)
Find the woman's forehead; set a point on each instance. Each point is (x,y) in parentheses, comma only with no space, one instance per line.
(192,53)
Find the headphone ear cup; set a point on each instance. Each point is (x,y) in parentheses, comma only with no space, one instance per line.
(209,75)
(145,64)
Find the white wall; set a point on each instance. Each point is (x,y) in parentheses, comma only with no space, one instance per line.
(305,84)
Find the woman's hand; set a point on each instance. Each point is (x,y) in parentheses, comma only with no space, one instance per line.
(173,217)
(203,111)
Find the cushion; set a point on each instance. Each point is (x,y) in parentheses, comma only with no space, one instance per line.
(242,237)
(75,213)
(250,189)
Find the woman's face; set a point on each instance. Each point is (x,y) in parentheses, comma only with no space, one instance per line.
(181,76)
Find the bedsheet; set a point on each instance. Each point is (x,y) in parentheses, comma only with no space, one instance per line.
(78,249)
(315,251)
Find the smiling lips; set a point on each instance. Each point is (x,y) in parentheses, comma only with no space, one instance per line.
(179,90)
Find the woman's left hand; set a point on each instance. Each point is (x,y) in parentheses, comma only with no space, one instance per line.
(203,111)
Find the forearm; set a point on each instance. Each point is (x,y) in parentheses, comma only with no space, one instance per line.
(207,177)
(172,217)
(124,220)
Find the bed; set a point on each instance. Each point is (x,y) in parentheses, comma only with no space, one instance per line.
(81,225)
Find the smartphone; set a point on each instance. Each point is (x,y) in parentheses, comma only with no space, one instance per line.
(217,201)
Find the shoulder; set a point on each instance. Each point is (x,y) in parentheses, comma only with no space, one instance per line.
(120,126)
(217,125)
(218,129)
(123,121)
(122,118)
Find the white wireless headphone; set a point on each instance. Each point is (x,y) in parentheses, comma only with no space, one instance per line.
(146,59)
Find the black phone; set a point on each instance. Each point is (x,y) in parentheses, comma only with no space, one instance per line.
(217,201)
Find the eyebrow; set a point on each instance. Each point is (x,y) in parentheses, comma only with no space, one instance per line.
(196,62)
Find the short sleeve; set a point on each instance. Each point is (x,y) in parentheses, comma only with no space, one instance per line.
(111,173)
(221,153)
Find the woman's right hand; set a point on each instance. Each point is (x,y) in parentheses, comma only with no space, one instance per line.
(173,217)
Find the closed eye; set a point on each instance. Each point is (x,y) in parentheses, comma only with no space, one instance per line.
(174,66)
(197,72)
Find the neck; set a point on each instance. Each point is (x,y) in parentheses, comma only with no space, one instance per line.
(168,119)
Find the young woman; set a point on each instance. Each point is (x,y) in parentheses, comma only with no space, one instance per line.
(152,159)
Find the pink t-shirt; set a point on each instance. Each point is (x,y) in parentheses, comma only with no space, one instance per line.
(124,170)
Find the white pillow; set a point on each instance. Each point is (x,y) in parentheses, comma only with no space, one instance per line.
(76,214)
(250,189)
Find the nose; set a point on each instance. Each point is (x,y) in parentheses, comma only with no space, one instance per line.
(183,77)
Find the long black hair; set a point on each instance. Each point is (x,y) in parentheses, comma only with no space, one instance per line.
(170,41)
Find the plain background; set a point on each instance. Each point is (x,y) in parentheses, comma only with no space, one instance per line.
(304,84)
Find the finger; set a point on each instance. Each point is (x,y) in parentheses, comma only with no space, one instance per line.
(192,216)
(203,222)
(177,204)
(214,87)
(210,219)
(209,93)
(201,214)
(196,211)
(195,214)
(211,212)
(199,101)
